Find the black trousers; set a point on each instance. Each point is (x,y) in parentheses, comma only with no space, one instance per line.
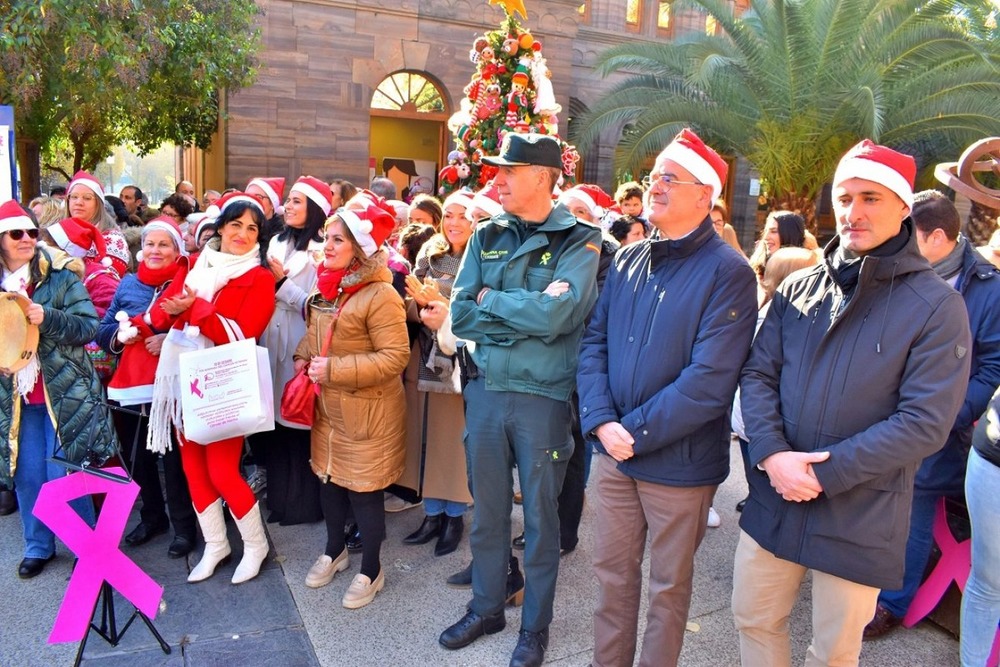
(144,466)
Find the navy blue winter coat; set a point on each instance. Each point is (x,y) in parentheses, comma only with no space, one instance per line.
(663,352)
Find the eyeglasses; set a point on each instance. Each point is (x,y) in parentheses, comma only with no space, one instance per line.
(18,234)
(665,180)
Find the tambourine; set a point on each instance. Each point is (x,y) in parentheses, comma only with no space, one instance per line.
(18,337)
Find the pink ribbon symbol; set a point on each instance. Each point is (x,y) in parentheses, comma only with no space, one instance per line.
(195,390)
(100,559)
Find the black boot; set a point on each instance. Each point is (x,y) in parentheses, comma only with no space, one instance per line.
(530,649)
(8,501)
(462,578)
(429,529)
(451,535)
(515,583)
(352,538)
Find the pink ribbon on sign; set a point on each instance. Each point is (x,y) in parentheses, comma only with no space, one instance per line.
(100,559)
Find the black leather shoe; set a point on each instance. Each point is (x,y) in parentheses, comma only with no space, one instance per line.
(32,567)
(428,530)
(530,649)
(740,505)
(180,547)
(352,538)
(8,502)
(462,578)
(518,542)
(515,583)
(470,628)
(451,535)
(144,532)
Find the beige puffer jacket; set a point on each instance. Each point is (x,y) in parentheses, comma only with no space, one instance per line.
(359,430)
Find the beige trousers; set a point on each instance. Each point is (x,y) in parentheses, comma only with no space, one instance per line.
(765,588)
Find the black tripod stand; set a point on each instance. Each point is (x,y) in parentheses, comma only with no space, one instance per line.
(108,629)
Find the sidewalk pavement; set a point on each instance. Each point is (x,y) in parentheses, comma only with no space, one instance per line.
(275,620)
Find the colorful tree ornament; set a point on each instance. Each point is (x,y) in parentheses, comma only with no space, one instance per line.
(509,91)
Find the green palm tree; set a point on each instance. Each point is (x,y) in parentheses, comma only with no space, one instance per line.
(793,84)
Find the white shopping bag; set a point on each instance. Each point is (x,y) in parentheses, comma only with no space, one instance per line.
(226,391)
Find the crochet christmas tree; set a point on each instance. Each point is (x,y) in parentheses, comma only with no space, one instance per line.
(510,91)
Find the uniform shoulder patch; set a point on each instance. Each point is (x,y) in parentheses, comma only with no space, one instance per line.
(960,351)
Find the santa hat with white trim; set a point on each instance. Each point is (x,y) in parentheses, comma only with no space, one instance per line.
(12,217)
(79,238)
(85,179)
(461,197)
(274,188)
(879,164)
(370,227)
(316,191)
(596,200)
(164,224)
(487,199)
(689,151)
(233,197)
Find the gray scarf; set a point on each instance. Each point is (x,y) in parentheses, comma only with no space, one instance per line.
(949,265)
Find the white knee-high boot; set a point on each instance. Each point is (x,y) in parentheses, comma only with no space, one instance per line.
(254,545)
(213,528)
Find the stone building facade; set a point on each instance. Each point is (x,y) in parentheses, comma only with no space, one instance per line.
(310,109)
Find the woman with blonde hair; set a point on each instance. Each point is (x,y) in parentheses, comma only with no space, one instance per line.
(435,465)
(47,210)
(356,349)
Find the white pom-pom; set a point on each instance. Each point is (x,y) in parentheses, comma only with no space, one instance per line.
(106,262)
(192,332)
(121,316)
(365,227)
(279,210)
(138,256)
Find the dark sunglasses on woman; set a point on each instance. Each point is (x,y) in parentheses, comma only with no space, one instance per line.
(18,234)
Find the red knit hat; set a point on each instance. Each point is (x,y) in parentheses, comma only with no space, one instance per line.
(597,200)
(78,238)
(316,190)
(274,188)
(83,178)
(370,227)
(689,151)
(12,217)
(879,164)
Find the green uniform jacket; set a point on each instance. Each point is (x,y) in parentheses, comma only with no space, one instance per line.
(73,392)
(527,341)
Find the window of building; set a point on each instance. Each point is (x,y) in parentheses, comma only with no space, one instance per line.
(408,91)
(633,15)
(664,26)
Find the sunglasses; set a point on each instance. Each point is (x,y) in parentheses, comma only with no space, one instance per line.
(18,234)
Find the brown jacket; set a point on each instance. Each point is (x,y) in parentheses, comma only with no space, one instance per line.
(359,432)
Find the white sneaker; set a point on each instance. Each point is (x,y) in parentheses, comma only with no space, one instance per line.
(324,569)
(396,504)
(714,520)
(363,590)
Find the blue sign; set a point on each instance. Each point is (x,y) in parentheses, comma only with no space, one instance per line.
(8,155)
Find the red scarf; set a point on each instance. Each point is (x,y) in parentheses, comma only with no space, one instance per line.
(329,281)
(156,277)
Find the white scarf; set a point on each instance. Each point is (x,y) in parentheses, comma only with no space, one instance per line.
(210,274)
(215,268)
(18,281)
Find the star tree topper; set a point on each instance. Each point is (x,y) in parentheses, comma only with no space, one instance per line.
(511,6)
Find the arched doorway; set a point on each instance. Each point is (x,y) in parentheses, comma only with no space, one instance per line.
(409,136)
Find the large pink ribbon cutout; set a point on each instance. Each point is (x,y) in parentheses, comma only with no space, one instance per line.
(100,559)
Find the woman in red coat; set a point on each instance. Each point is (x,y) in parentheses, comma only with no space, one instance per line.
(227,296)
